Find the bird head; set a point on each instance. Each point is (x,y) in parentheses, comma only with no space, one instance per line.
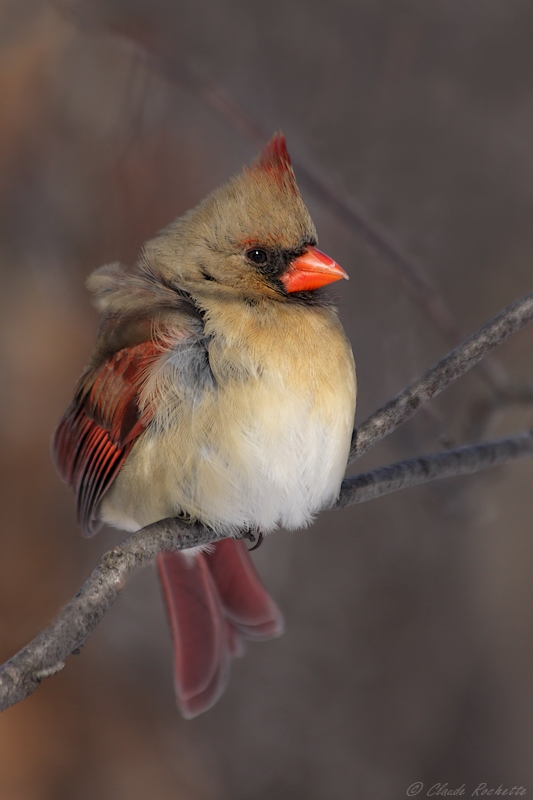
(251,238)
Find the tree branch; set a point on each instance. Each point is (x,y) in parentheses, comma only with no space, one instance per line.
(415,471)
(441,375)
(46,654)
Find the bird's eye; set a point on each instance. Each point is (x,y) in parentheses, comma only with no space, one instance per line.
(257,256)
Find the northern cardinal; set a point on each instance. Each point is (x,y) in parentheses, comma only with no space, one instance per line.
(221,389)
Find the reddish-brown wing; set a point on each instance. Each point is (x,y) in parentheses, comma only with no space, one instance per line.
(100,426)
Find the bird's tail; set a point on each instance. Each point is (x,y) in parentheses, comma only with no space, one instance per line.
(214,601)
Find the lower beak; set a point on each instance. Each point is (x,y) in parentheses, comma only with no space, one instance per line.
(311,270)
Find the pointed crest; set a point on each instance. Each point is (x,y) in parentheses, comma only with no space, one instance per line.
(275,161)
(259,205)
(275,154)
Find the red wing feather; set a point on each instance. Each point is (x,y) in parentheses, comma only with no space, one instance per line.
(99,428)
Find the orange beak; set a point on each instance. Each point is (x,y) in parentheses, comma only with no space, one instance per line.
(312,270)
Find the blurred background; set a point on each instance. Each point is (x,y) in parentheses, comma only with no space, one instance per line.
(408,647)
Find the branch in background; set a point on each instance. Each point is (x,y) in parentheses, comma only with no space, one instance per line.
(441,375)
(46,654)
(482,409)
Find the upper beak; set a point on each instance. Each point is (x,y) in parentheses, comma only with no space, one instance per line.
(310,271)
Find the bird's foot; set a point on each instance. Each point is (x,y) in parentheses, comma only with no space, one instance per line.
(254,536)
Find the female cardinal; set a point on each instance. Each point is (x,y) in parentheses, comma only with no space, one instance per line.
(221,389)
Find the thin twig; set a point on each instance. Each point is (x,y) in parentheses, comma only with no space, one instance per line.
(46,654)
(442,374)
(415,471)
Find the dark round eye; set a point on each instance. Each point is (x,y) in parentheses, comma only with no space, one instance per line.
(257,256)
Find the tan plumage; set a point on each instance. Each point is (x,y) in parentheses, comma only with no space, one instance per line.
(269,441)
(222,380)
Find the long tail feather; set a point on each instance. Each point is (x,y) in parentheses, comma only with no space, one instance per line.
(247,604)
(214,601)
